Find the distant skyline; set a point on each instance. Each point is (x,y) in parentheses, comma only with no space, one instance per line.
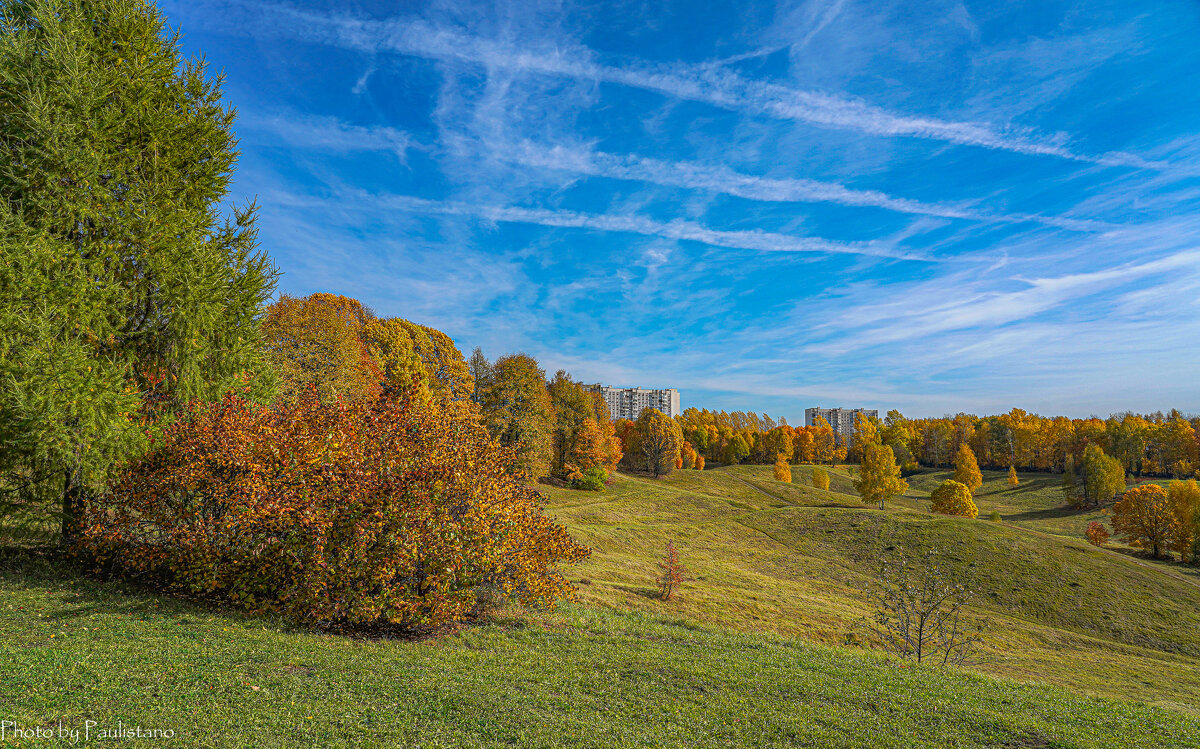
(936,207)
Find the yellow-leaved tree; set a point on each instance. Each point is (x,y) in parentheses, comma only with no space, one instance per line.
(783,472)
(1184,497)
(1012,476)
(953,498)
(966,469)
(657,441)
(820,478)
(878,477)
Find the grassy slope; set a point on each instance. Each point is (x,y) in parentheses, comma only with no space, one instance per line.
(1036,504)
(624,669)
(794,560)
(74,649)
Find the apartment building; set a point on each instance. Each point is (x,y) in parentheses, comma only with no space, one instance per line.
(628,403)
(841,419)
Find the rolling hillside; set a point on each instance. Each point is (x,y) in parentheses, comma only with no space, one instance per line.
(1114,642)
(792,559)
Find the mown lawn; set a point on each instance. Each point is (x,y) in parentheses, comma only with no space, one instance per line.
(74,649)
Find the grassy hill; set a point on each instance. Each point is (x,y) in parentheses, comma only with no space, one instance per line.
(720,666)
(795,560)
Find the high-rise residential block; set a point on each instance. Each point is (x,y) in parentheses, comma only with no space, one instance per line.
(628,403)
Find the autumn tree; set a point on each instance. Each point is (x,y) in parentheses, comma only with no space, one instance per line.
(782,471)
(390,347)
(1143,518)
(878,477)
(572,406)
(1102,476)
(1013,480)
(657,441)
(803,445)
(820,478)
(953,498)
(1093,479)
(397,510)
(688,454)
(824,445)
(1184,498)
(481,374)
(866,431)
(124,294)
(672,573)
(517,412)
(736,450)
(966,469)
(1097,534)
(314,342)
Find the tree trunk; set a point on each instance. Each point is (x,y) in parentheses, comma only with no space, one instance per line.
(72,508)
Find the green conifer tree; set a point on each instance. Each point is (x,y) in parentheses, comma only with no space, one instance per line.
(123,293)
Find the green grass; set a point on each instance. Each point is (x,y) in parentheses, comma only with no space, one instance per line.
(1036,504)
(791,559)
(1085,648)
(75,650)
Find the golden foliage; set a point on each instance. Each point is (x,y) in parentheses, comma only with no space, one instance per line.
(656,442)
(1184,498)
(820,478)
(783,472)
(953,498)
(878,476)
(313,342)
(1013,480)
(966,469)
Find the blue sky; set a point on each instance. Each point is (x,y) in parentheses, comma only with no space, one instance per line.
(933,206)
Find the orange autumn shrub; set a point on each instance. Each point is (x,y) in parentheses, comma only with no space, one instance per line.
(396,510)
(1097,534)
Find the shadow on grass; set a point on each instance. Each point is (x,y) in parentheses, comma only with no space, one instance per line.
(1141,554)
(1052,513)
(83,593)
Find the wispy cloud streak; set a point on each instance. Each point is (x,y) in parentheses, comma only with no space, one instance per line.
(721,179)
(754,240)
(714,86)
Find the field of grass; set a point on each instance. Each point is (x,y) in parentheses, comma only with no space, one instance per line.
(1084,648)
(1037,504)
(76,650)
(791,559)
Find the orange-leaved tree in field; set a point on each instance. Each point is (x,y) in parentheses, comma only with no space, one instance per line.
(1142,517)
(394,510)
(1097,534)
(1013,480)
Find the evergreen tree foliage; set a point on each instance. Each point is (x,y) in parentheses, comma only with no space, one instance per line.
(123,292)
